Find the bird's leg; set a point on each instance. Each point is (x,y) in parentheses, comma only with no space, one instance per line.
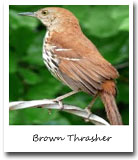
(88,108)
(58,99)
(91,103)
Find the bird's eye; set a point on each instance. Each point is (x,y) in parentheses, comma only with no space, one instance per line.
(44,12)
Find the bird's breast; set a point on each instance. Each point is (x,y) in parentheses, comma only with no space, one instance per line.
(49,58)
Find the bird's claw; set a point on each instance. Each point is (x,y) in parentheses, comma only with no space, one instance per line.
(60,103)
(87,109)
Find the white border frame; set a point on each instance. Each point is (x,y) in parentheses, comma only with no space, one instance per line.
(19,138)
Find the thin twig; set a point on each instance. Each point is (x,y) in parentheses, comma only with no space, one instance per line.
(49,104)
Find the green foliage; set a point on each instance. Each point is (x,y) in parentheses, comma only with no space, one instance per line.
(106,26)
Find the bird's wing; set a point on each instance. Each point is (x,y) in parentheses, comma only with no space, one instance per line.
(89,70)
(84,64)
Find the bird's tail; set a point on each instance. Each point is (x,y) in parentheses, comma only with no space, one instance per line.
(108,98)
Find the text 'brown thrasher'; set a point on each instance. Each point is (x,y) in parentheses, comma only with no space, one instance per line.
(72,58)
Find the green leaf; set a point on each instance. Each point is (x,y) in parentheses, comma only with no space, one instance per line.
(103,21)
(58,121)
(45,89)
(13,62)
(32,116)
(125,115)
(20,40)
(34,51)
(15,87)
(123,93)
(124,25)
(29,76)
(121,15)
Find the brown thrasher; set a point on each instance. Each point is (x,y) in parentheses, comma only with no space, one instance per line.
(72,58)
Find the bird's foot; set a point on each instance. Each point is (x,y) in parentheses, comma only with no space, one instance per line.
(88,110)
(61,105)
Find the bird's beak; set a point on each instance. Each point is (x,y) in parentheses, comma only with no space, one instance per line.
(31,14)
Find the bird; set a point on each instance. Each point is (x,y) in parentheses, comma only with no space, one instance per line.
(73,59)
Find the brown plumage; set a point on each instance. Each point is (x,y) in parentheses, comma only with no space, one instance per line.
(75,60)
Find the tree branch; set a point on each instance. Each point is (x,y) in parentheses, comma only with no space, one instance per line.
(49,104)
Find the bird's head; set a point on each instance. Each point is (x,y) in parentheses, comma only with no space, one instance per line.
(52,15)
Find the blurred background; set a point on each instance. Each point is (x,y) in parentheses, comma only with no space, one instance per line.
(106,26)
